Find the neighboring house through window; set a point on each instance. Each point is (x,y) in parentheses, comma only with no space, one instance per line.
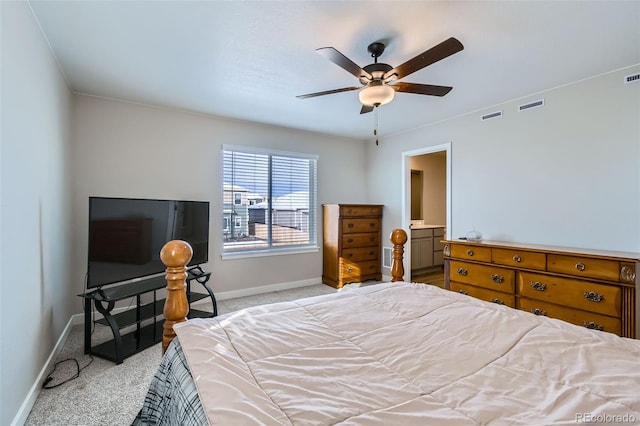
(269,200)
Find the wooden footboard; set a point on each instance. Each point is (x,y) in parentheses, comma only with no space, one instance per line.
(176,254)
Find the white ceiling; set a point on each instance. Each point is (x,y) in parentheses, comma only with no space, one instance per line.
(249,59)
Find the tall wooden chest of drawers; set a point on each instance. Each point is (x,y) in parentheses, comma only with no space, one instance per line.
(593,288)
(351,243)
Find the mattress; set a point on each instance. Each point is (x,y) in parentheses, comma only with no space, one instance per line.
(401,353)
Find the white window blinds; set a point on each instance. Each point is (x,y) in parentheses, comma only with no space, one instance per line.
(269,200)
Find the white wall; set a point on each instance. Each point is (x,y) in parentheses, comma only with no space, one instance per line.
(36,294)
(127,150)
(565,174)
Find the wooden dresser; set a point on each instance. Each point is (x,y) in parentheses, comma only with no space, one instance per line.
(351,243)
(592,288)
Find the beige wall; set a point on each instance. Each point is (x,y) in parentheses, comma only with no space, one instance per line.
(36,295)
(564,174)
(126,150)
(434,186)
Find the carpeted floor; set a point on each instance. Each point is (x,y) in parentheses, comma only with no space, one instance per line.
(109,394)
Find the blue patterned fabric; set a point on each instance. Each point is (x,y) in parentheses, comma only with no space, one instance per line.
(172,398)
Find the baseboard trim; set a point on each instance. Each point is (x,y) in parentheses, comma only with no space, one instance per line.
(34,392)
(267,289)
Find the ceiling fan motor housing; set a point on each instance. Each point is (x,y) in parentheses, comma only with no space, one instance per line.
(377,71)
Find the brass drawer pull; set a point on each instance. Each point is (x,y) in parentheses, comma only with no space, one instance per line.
(538,311)
(498,301)
(517,258)
(350,225)
(580,266)
(371,253)
(593,325)
(592,296)
(372,225)
(350,240)
(497,278)
(469,252)
(349,270)
(463,292)
(538,286)
(350,255)
(463,272)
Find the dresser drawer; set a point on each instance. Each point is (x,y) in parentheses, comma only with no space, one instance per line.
(360,225)
(584,267)
(360,240)
(519,258)
(351,211)
(600,298)
(487,276)
(574,316)
(484,294)
(462,251)
(360,254)
(351,271)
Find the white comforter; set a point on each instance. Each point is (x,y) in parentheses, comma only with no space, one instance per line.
(407,354)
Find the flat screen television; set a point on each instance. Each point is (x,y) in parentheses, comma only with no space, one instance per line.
(127,234)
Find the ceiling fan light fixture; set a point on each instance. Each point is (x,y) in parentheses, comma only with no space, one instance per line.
(376,95)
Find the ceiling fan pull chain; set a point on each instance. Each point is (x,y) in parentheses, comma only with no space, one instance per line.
(375,123)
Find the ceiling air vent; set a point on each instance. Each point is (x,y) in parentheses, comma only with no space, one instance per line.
(633,78)
(530,105)
(489,116)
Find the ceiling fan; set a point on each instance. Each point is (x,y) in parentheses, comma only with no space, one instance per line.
(378,80)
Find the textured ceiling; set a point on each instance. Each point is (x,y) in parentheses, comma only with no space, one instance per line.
(249,59)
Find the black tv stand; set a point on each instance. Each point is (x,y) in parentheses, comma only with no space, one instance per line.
(143,322)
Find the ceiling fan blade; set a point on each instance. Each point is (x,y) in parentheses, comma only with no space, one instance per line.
(327,92)
(421,89)
(365,109)
(343,62)
(428,57)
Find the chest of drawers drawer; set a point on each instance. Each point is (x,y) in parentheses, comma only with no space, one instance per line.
(587,319)
(360,225)
(600,298)
(487,276)
(584,267)
(519,258)
(479,254)
(360,240)
(360,210)
(485,294)
(360,254)
(352,271)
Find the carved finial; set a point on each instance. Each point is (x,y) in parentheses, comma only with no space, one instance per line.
(175,255)
(398,239)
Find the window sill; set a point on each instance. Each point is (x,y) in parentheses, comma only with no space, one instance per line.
(272,252)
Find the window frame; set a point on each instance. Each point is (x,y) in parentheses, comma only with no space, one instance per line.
(313,212)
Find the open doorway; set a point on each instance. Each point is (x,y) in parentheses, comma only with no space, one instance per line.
(426,211)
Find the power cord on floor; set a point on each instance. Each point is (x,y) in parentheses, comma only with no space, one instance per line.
(49,377)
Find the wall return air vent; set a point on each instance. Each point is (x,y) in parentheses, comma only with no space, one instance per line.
(633,78)
(534,104)
(387,256)
(491,115)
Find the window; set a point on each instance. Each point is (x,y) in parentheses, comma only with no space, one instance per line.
(279,192)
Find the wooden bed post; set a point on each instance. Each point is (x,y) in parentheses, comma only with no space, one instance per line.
(175,255)
(398,238)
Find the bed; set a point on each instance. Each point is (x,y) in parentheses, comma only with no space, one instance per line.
(392,353)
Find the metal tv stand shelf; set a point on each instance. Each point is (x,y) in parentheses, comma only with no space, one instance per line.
(138,336)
